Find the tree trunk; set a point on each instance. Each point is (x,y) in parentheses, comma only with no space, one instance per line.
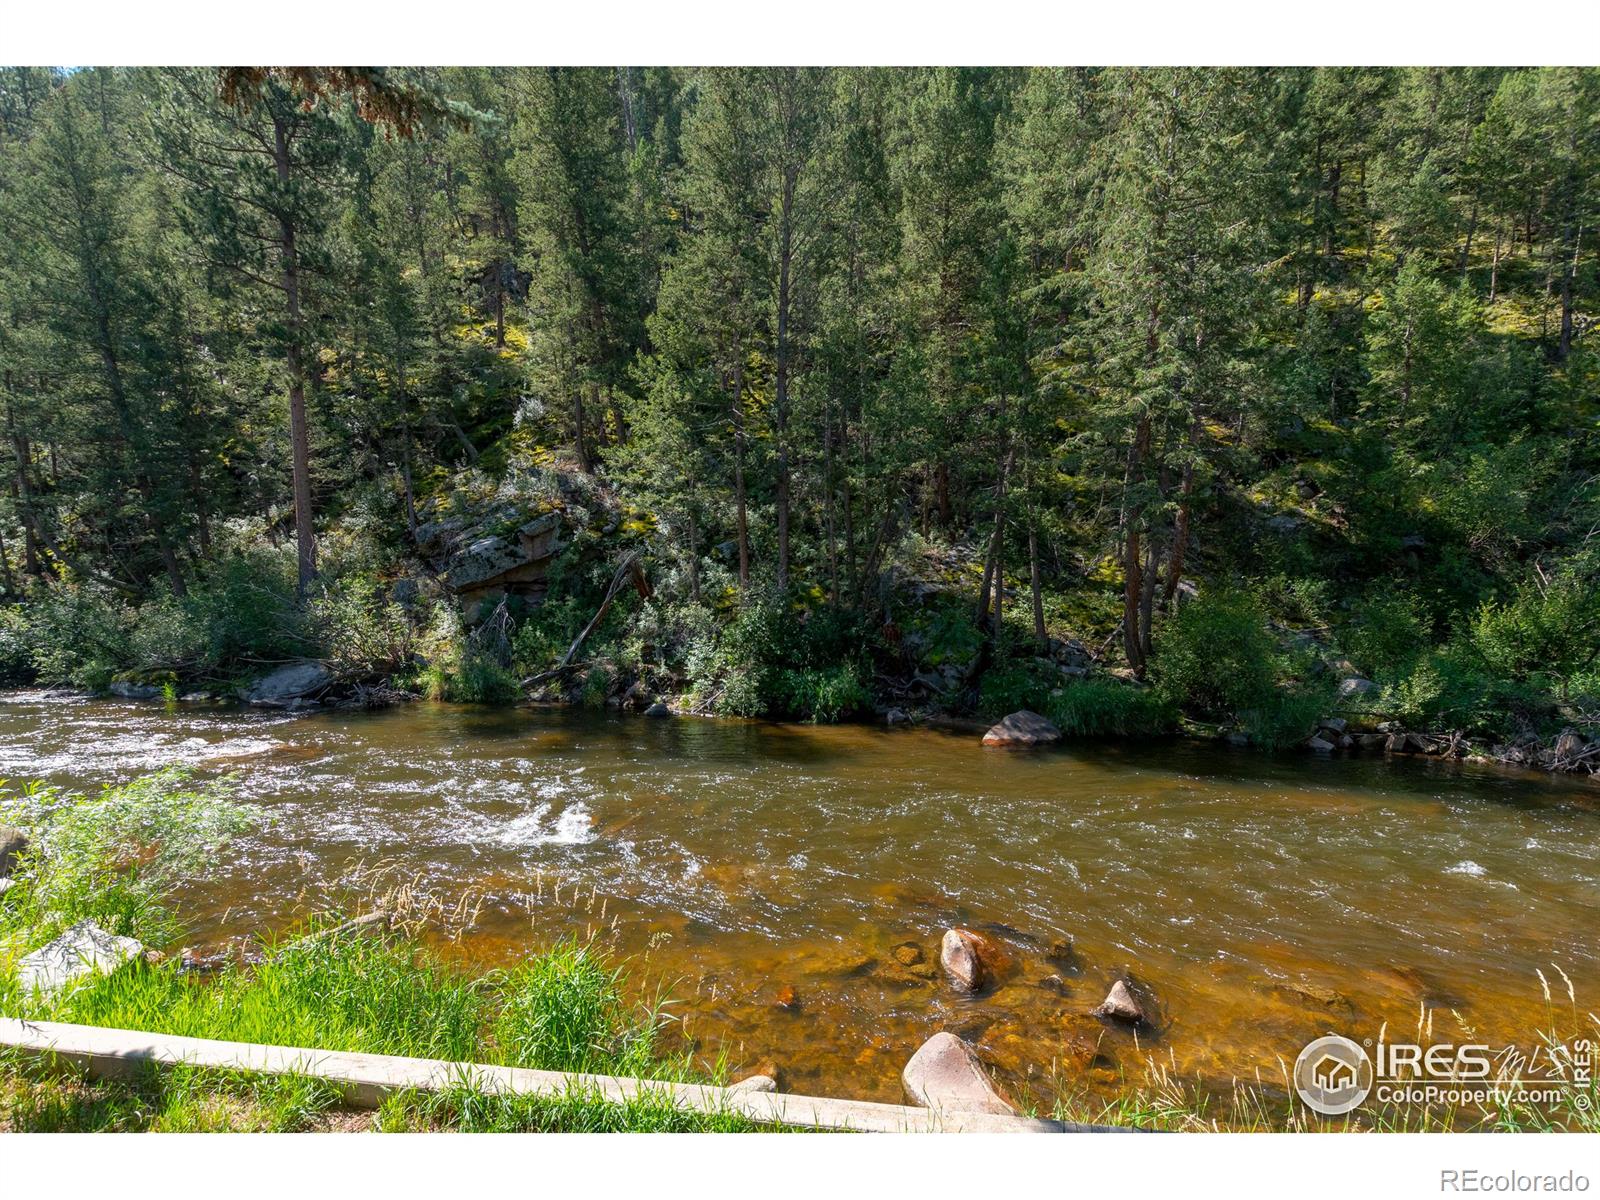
(1040,637)
(738,467)
(1132,553)
(580,440)
(1494,266)
(299,430)
(780,407)
(694,558)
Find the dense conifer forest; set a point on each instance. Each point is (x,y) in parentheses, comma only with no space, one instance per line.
(1223,397)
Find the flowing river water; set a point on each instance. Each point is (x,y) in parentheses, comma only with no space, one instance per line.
(771,875)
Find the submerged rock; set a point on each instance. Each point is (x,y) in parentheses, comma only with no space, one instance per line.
(13,844)
(907,954)
(297,681)
(1022,728)
(945,1073)
(959,956)
(85,949)
(658,710)
(1122,1003)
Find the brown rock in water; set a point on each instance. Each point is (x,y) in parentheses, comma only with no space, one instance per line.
(945,1073)
(755,1083)
(1397,743)
(1373,741)
(1121,1004)
(787,999)
(907,954)
(1022,728)
(958,955)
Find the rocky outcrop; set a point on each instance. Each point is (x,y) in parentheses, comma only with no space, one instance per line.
(945,1073)
(83,950)
(297,681)
(13,845)
(490,566)
(960,954)
(1022,728)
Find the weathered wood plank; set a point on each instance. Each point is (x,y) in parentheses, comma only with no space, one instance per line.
(365,1079)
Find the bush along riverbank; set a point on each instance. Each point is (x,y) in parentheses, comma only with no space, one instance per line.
(550,589)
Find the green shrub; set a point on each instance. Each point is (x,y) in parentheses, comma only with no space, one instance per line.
(821,694)
(770,660)
(1215,657)
(115,857)
(1546,633)
(16,646)
(1287,715)
(1109,708)
(76,634)
(1385,633)
(1007,688)
(1451,688)
(470,681)
(363,632)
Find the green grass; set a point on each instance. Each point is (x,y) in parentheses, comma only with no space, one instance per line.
(563,1010)
(1109,708)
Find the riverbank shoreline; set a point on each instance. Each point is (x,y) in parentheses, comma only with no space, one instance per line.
(1579,762)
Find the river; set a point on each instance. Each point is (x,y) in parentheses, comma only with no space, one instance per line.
(766,874)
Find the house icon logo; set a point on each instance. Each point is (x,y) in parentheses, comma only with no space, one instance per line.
(1333,1075)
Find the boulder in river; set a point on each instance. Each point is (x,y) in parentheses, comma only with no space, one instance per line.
(126,689)
(297,681)
(1333,725)
(13,844)
(658,710)
(1320,745)
(755,1083)
(1123,1003)
(85,949)
(945,1073)
(960,957)
(1022,728)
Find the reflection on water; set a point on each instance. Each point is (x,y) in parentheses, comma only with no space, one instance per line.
(1264,900)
